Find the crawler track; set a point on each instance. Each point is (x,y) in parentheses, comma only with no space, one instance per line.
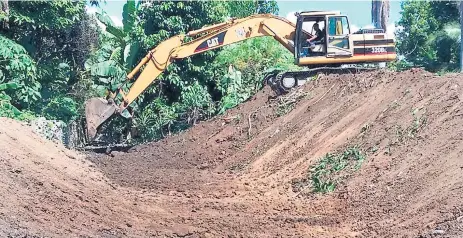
(282,82)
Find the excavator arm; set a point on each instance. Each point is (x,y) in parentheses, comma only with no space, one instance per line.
(157,60)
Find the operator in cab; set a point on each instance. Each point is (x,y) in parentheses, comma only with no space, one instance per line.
(317,37)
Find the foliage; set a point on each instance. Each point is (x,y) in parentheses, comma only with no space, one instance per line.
(248,7)
(62,108)
(196,103)
(47,43)
(230,85)
(162,20)
(118,52)
(430,34)
(104,67)
(6,109)
(52,32)
(127,49)
(156,120)
(332,168)
(248,60)
(59,14)
(16,66)
(399,65)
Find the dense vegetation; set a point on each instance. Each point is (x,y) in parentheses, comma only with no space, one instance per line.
(54,56)
(430,34)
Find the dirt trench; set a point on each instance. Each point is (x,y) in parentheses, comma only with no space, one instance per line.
(234,175)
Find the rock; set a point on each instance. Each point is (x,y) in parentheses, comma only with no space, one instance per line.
(53,130)
(182,232)
(438,232)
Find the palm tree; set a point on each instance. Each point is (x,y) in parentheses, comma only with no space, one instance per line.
(380,13)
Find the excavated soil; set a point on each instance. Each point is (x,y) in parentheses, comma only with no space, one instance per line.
(234,176)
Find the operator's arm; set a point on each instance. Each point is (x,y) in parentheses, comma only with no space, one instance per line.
(313,38)
(317,34)
(157,60)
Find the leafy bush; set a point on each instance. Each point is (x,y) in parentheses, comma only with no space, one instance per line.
(6,109)
(16,66)
(61,108)
(156,120)
(331,169)
(196,103)
(399,65)
(247,63)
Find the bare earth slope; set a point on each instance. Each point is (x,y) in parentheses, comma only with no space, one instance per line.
(233,175)
(49,191)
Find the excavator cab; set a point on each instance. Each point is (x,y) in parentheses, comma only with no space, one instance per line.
(336,32)
(340,45)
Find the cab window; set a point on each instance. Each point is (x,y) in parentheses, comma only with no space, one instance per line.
(338,26)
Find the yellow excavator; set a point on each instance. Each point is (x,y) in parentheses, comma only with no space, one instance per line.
(334,46)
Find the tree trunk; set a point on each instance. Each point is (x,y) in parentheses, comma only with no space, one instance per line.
(380,13)
(6,10)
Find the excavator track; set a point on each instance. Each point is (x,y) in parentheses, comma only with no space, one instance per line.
(283,82)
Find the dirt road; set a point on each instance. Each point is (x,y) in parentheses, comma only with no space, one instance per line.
(235,175)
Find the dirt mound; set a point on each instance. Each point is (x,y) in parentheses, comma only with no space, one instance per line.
(408,124)
(49,191)
(246,173)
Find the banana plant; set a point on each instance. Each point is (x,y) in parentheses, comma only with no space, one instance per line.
(128,47)
(118,55)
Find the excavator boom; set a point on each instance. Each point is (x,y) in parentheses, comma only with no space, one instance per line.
(157,60)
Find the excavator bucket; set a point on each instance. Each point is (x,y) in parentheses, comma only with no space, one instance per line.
(97,111)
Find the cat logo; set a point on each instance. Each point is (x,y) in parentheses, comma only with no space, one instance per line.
(213,42)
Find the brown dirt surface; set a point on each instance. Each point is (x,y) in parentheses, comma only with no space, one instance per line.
(235,175)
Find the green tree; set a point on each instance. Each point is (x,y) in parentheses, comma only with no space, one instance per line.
(119,50)
(428,34)
(16,66)
(56,37)
(246,8)
(188,85)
